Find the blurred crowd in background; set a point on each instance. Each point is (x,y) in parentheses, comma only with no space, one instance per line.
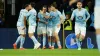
(67,5)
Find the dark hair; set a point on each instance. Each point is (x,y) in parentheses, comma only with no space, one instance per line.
(44,6)
(79,1)
(54,5)
(26,5)
(32,4)
(49,6)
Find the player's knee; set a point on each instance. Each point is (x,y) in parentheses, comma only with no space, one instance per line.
(23,35)
(97,31)
(44,34)
(55,34)
(30,35)
(83,37)
(77,36)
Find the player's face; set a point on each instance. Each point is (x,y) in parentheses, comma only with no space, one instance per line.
(79,5)
(29,7)
(52,8)
(44,10)
(49,9)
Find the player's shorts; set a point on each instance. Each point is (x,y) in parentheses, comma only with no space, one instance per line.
(41,30)
(97,17)
(49,31)
(31,29)
(79,29)
(21,29)
(56,29)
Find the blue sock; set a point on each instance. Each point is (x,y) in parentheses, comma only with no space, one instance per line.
(18,40)
(22,42)
(34,40)
(98,41)
(49,44)
(53,44)
(58,43)
(44,41)
(78,43)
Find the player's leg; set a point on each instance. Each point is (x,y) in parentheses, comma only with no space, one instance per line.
(22,34)
(21,38)
(53,40)
(77,33)
(98,38)
(49,33)
(83,33)
(39,33)
(31,31)
(97,25)
(57,29)
(44,36)
(22,41)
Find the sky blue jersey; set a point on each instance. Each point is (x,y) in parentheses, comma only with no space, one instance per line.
(42,18)
(49,21)
(55,17)
(32,17)
(20,21)
(80,16)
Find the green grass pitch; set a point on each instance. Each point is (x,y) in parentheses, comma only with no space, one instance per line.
(48,52)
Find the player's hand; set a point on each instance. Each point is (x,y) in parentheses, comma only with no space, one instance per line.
(58,25)
(46,17)
(38,20)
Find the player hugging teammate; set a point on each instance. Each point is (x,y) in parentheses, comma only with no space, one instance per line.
(48,24)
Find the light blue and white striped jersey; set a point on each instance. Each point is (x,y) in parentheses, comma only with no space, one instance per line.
(42,19)
(20,21)
(97,3)
(80,16)
(55,17)
(32,17)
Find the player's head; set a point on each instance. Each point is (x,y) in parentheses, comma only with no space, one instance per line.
(44,8)
(32,5)
(49,8)
(53,6)
(27,6)
(79,4)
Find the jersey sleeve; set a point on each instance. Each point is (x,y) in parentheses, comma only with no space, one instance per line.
(59,13)
(73,15)
(87,13)
(28,14)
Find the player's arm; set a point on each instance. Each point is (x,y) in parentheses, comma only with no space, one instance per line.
(47,16)
(73,15)
(61,17)
(40,17)
(25,21)
(88,15)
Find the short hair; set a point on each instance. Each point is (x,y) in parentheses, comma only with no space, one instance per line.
(26,5)
(32,4)
(44,6)
(79,1)
(54,5)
